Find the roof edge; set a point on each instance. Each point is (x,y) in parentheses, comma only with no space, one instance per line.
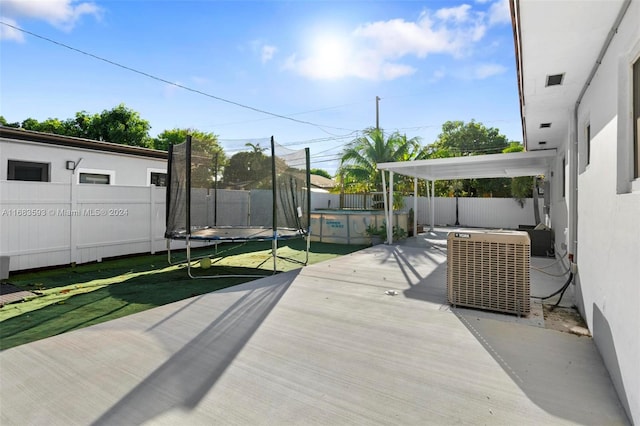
(70,141)
(514,6)
(546,153)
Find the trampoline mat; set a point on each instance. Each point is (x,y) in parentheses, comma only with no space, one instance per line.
(233,233)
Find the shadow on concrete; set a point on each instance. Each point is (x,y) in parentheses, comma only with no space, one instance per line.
(559,372)
(185,378)
(606,346)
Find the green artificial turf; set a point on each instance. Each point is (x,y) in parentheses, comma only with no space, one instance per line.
(74,297)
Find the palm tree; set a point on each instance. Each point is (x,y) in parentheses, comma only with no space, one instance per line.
(360,158)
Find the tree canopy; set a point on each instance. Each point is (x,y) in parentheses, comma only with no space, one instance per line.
(459,139)
(247,169)
(118,125)
(320,172)
(204,145)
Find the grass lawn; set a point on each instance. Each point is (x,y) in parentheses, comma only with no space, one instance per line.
(74,297)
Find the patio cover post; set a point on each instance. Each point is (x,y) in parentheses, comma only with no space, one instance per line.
(428,200)
(384,195)
(390,214)
(415,207)
(433,203)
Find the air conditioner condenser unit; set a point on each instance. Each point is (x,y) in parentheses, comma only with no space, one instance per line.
(489,270)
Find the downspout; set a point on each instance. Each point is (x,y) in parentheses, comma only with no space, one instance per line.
(573,201)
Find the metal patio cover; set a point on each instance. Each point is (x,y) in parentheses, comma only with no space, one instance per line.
(512,164)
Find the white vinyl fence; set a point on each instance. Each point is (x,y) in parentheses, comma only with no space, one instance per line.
(492,213)
(47,224)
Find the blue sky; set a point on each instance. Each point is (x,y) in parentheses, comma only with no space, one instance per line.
(321,62)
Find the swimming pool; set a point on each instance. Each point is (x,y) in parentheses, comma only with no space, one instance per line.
(350,226)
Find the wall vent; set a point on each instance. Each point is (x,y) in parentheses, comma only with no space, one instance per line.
(555,80)
(489,270)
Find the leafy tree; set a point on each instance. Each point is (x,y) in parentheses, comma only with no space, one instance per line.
(523,187)
(202,141)
(248,170)
(463,139)
(320,172)
(204,150)
(80,126)
(118,125)
(255,147)
(358,165)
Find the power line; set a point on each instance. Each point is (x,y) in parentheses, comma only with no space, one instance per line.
(151,76)
(290,115)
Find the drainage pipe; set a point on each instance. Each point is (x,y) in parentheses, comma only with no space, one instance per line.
(573,200)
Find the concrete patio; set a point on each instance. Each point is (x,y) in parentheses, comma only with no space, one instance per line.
(321,345)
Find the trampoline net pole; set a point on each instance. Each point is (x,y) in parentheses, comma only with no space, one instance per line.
(274,198)
(188,186)
(308,236)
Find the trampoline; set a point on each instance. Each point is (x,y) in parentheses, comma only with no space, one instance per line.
(251,196)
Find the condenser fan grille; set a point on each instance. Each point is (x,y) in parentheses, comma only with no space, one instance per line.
(489,270)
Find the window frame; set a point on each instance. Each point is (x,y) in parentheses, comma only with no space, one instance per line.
(150,171)
(110,173)
(45,170)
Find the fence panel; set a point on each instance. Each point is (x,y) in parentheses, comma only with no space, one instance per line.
(324,200)
(476,212)
(46,224)
(233,207)
(111,220)
(35,223)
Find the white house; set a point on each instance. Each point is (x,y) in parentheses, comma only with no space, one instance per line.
(578,73)
(68,200)
(579,81)
(45,157)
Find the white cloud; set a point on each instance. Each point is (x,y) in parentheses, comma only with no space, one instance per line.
(456,14)
(8,33)
(488,70)
(499,12)
(265,51)
(268,52)
(62,14)
(380,50)
(391,71)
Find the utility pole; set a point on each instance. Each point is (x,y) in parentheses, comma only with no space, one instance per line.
(377,112)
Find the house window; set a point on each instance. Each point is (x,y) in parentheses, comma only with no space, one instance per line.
(588,136)
(636,119)
(158,179)
(95,178)
(28,171)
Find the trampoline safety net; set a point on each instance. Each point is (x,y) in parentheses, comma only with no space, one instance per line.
(256,194)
